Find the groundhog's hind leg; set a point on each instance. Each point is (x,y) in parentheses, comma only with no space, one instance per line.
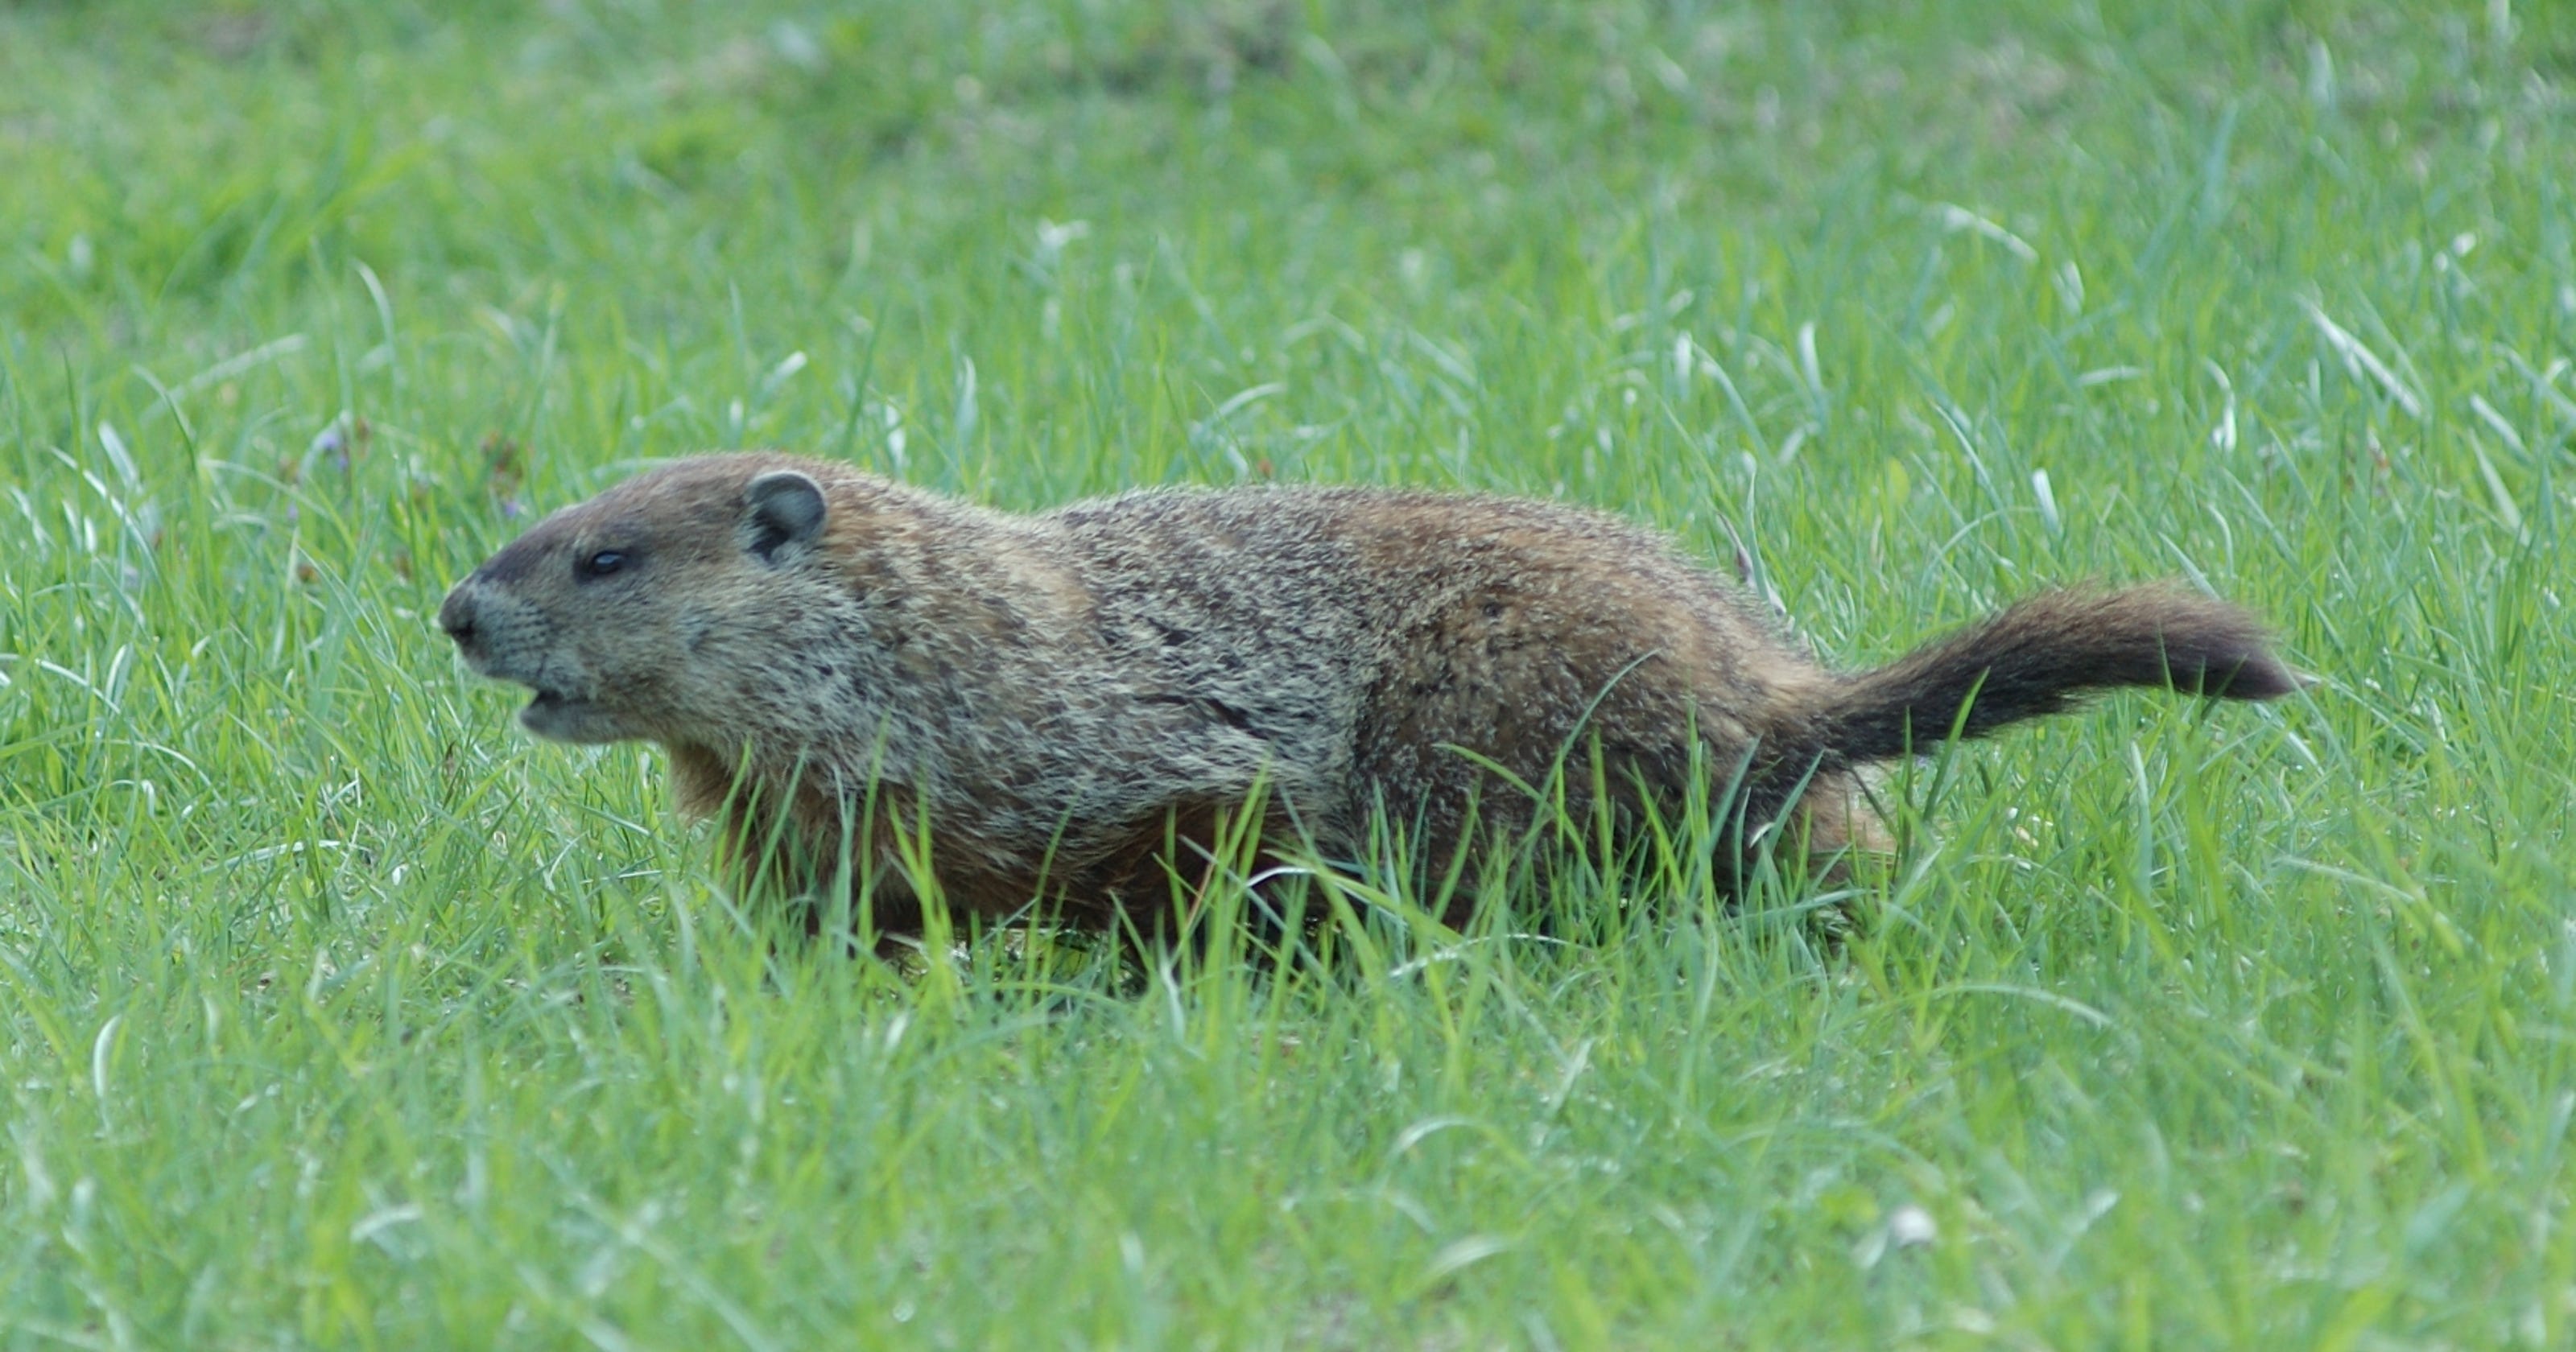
(1837,826)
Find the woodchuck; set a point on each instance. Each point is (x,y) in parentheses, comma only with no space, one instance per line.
(1066,706)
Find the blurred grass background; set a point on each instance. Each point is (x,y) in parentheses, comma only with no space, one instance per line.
(336,1013)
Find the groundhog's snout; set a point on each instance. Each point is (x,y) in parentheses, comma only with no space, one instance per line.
(456,616)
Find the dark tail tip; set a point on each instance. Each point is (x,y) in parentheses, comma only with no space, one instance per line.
(2040,654)
(2205,646)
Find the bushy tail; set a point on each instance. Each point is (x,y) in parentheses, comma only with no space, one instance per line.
(2038,656)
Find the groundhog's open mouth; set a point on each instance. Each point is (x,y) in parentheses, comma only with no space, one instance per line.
(560,717)
(557,704)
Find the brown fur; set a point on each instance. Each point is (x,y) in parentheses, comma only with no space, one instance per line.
(831,658)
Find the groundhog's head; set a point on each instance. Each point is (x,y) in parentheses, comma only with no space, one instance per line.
(695,597)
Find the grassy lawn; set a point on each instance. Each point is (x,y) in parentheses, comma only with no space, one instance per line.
(335,1012)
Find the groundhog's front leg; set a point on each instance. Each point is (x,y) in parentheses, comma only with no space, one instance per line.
(795,857)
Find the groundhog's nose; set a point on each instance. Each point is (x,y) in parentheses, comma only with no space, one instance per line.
(456,616)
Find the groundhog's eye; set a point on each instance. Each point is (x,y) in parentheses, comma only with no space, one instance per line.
(603,563)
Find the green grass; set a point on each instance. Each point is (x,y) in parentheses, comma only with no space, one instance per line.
(333,1012)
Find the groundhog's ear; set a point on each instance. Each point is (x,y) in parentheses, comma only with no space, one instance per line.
(786,508)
